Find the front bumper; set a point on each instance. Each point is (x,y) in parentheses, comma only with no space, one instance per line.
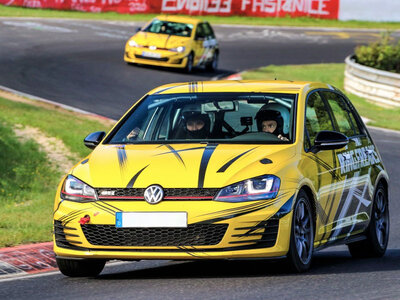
(216,230)
(165,59)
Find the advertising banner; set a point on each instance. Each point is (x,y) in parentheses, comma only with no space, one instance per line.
(326,9)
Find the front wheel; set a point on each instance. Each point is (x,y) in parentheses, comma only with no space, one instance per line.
(302,234)
(80,268)
(213,64)
(189,63)
(378,229)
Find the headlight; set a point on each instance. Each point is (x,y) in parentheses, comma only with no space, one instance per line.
(132,43)
(179,49)
(257,188)
(75,190)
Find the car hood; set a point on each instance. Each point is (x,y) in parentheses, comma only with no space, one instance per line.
(160,40)
(179,165)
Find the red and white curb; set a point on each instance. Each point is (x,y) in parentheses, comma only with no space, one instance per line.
(27,259)
(237,76)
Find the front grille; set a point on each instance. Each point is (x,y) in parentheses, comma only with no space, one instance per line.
(193,235)
(61,237)
(151,58)
(169,194)
(260,239)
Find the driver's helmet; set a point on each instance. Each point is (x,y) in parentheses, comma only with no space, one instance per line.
(196,115)
(265,114)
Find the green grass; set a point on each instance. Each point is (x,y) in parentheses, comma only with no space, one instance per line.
(28,181)
(27,188)
(334,75)
(64,125)
(8,11)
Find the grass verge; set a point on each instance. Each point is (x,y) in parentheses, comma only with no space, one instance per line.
(28,180)
(334,75)
(12,11)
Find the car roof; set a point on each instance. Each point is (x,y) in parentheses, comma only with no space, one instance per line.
(255,86)
(179,19)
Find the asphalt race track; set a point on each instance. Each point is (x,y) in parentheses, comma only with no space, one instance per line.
(79,63)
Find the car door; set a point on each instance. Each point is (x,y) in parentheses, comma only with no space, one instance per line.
(198,48)
(352,214)
(321,167)
(210,43)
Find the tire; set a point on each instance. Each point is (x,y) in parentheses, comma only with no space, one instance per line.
(213,64)
(301,234)
(189,63)
(377,232)
(80,268)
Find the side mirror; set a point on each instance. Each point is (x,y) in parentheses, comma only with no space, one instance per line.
(138,29)
(329,140)
(93,139)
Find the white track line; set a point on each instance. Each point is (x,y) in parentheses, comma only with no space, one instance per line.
(12,277)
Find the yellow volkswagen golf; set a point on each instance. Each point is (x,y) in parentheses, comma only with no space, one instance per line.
(173,41)
(225,169)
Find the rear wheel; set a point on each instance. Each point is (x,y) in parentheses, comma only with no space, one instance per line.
(213,64)
(302,234)
(378,229)
(189,63)
(80,268)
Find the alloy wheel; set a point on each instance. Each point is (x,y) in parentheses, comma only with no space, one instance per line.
(303,231)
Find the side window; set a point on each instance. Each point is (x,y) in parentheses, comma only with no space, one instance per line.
(317,117)
(208,31)
(353,119)
(340,113)
(200,32)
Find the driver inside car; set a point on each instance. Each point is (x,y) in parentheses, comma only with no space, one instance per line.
(193,125)
(197,125)
(271,121)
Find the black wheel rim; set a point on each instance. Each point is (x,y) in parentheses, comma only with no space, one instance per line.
(190,63)
(303,232)
(215,62)
(381,217)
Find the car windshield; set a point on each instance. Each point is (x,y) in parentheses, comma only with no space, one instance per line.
(209,117)
(170,28)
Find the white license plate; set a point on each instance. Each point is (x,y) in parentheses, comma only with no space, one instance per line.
(151,54)
(150,219)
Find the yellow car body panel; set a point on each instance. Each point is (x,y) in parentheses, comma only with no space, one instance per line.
(181,166)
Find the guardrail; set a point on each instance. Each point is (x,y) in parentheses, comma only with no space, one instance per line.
(375,85)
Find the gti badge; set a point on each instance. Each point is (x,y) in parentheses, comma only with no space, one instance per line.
(153,194)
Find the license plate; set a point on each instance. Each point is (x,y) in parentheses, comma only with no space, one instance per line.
(151,54)
(150,219)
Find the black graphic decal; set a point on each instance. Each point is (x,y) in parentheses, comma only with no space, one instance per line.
(175,152)
(121,156)
(208,151)
(132,181)
(229,163)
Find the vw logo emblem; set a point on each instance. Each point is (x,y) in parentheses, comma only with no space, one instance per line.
(153,194)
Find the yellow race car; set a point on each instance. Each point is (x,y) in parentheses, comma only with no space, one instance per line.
(173,41)
(225,169)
